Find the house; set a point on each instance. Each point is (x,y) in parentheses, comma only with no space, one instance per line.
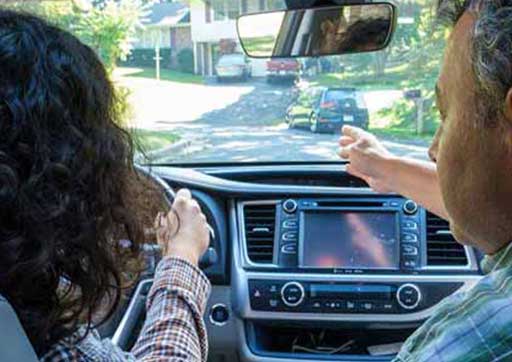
(213,25)
(167,27)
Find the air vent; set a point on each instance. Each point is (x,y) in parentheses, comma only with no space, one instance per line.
(442,248)
(260,222)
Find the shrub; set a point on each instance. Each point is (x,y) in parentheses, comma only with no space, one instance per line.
(186,60)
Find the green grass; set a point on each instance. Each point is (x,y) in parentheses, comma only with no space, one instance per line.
(166,74)
(393,78)
(154,140)
(261,46)
(397,133)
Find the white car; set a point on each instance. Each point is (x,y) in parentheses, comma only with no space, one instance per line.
(233,66)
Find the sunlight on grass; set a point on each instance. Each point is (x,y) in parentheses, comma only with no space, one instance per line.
(165,74)
(151,140)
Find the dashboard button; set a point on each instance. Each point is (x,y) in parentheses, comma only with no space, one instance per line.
(273,288)
(409,250)
(219,315)
(410,263)
(410,225)
(289,236)
(256,293)
(410,207)
(408,296)
(367,306)
(292,294)
(351,305)
(289,249)
(290,206)
(384,307)
(388,307)
(290,224)
(409,238)
(273,303)
(316,305)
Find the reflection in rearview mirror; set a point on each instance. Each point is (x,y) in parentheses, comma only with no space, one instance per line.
(318,31)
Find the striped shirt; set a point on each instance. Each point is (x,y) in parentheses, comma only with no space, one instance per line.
(474,325)
(173,331)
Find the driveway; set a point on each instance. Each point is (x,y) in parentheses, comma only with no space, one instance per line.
(267,143)
(239,122)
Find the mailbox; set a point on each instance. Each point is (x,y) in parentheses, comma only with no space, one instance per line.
(412,94)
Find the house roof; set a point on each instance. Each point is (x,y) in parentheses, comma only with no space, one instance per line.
(168,14)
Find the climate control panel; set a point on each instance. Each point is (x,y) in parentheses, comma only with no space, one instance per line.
(367,298)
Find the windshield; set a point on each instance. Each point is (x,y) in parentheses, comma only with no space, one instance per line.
(231,59)
(164,58)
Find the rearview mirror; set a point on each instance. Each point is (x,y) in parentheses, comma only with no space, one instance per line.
(317,31)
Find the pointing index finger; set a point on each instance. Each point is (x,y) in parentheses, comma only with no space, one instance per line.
(353,132)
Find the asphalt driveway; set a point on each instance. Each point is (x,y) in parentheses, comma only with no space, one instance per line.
(238,122)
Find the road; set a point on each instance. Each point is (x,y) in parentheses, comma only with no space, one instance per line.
(238,122)
(269,143)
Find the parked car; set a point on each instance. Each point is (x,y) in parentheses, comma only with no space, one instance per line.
(327,109)
(283,70)
(233,66)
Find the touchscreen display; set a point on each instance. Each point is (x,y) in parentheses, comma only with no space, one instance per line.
(355,240)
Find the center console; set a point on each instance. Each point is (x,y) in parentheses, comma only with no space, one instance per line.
(342,262)
(352,275)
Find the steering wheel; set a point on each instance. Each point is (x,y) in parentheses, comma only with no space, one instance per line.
(210,257)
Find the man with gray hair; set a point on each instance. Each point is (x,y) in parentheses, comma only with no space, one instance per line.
(469,181)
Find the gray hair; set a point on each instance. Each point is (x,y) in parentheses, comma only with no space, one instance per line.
(491,48)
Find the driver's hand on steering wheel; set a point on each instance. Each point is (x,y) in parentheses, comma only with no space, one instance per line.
(183,232)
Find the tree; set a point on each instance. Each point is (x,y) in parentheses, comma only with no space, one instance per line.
(107,26)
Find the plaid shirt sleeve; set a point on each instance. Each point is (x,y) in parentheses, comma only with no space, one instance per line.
(470,326)
(174,329)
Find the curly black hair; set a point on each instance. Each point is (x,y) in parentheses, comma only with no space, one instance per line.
(64,163)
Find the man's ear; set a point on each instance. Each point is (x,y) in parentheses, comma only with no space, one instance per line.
(508,117)
(508,106)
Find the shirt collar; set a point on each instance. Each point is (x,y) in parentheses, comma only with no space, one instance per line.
(499,260)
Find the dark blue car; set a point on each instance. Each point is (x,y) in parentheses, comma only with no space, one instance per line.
(327,109)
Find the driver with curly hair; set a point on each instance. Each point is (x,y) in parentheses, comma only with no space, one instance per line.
(64,167)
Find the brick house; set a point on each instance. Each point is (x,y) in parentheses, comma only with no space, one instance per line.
(167,26)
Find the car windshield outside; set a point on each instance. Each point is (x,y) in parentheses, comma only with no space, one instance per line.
(232,59)
(168,61)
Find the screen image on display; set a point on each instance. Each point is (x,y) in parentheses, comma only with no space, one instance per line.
(352,240)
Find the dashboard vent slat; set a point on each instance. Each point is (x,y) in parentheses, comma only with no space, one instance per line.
(442,248)
(259,221)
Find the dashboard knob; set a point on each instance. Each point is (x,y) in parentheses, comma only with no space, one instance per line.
(290,206)
(408,296)
(292,294)
(219,314)
(410,207)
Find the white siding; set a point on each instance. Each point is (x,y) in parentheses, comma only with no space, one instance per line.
(150,37)
(209,32)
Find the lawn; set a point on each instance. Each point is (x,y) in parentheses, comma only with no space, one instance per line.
(261,46)
(393,78)
(150,140)
(166,74)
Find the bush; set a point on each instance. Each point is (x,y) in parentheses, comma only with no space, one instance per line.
(403,115)
(186,60)
(145,58)
(124,108)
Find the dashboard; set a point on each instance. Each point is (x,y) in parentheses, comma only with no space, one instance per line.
(313,265)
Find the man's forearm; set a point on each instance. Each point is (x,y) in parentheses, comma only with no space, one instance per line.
(416,180)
